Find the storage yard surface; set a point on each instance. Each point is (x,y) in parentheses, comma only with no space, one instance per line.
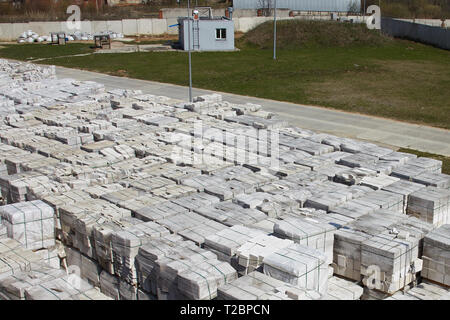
(141,196)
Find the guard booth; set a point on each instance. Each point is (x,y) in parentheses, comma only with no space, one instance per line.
(58,38)
(204,32)
(102,41)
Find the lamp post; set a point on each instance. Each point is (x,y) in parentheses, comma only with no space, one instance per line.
(189,51)
(275,31)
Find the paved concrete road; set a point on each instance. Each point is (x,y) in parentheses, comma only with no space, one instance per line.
(379,130)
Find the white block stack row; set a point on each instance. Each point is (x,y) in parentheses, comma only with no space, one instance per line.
(147,197)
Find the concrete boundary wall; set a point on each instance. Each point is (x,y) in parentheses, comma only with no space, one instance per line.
(436,36)
(131,27)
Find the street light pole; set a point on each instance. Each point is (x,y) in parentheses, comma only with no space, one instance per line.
(189,51)
(275,31)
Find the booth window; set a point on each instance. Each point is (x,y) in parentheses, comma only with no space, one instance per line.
(221,34)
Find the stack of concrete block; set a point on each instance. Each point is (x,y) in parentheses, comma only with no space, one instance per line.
(383,199)
(225,243)
(78,220)
(436,256)
(431,205)
(13,190)
(31,223)
(144,201)
(200,280)
(251,255)
(347,253)
(308,231)
(159,211)
(102,240)
(438,180)
(69,287)
(125,245)
(3,231)
(168,270)
(341,289)
(196,200)
(428,164)
(423,291)
(258,286)
(300,266)
(14,258)
(109,285)
(378,182)
(391,260)
(89,268)
(173,191)
(230,214)
(148,255)
(13,287)
(405,188)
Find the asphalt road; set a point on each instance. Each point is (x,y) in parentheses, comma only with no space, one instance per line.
(379,130)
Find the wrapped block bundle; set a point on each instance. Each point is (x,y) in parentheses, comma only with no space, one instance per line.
(436,255)
(148,255)
(159,211)
(201,280)
(391,259)
(308,231)
(3,231)
(126,243)
(198,233)
(89,269)
(258,286)
(405,188)
(341,289)
(423,291)
(102,240)
(168,268)
(14,258)
(109,285)
(31,223)
(67,287)
(226,242)
(347,241)
(431,205)
(13,287)
(253,252)
(300,266)
(79,219)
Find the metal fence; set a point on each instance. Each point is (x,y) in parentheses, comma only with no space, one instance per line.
(301,5)
(436,36)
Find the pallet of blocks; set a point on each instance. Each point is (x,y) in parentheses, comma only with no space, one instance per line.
(431,205)
(64,287)
(299,266)
(390,261)
(192,273)
(31,223)
(251,254)
(423,291)
(436,256)
(126,243)
(225,243)
(258,286)
(13,287)
(342,289)
(348,241)
(14,257)
(148,255)
(308,231)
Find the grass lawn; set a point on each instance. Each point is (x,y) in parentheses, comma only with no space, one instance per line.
(359,72)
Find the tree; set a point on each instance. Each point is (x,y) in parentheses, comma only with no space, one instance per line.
(266,6)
